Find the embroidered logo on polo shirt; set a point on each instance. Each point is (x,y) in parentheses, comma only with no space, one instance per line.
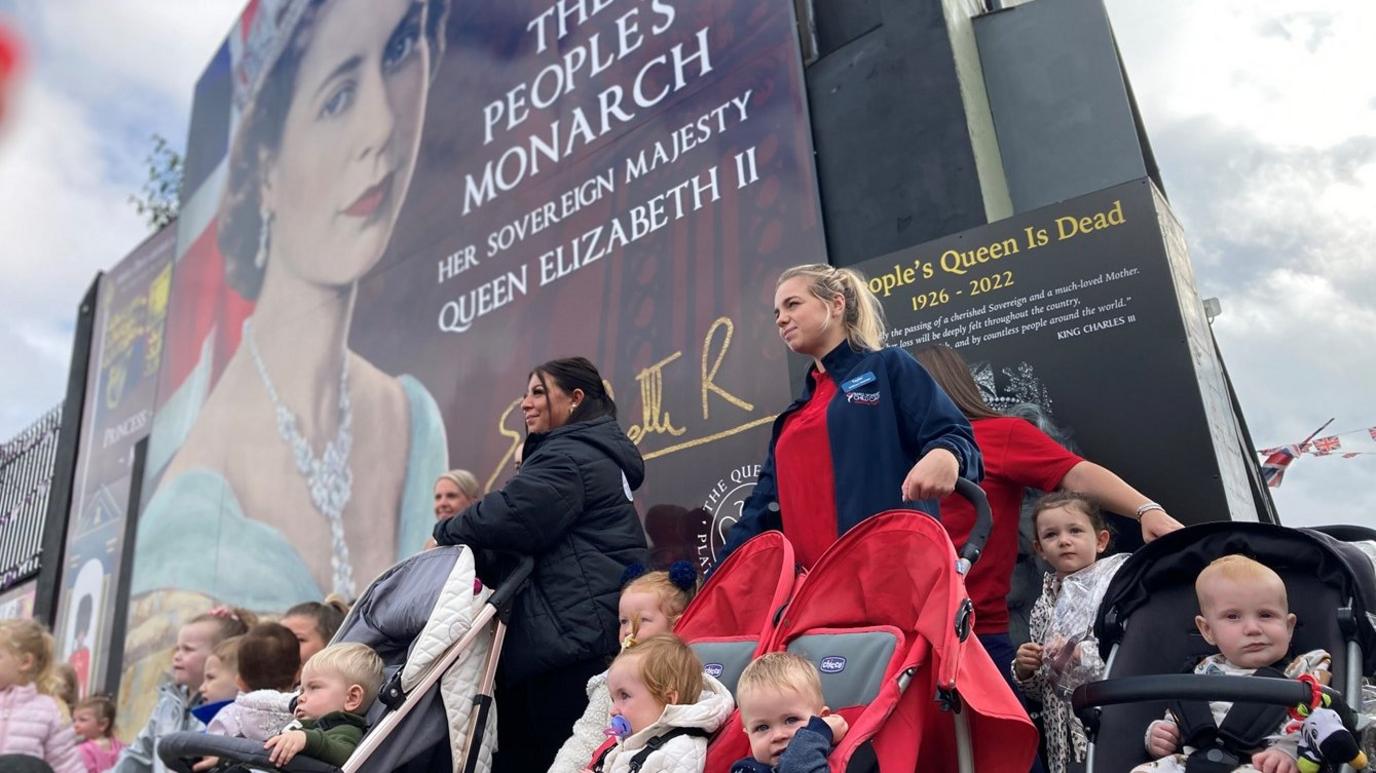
(862,398)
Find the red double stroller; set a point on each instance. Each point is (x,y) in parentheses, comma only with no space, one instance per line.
(885,617)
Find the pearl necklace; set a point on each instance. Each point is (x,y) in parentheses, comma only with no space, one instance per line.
(328,478)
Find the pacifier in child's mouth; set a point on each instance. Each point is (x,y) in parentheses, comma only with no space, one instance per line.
(618,728)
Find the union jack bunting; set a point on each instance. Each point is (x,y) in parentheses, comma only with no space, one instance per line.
(1273,469)
(1327,445)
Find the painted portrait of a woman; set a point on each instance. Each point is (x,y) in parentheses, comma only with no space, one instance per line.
(303,469)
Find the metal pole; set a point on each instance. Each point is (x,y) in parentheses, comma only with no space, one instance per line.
(482,703)
(379,734)
(965,755)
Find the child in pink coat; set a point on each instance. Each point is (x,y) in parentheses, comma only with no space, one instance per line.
(31,720)
(93,720)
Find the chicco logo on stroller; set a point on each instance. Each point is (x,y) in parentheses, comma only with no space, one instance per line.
(833,664)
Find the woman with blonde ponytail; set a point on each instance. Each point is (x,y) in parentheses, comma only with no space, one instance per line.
(32,720)
(871,431)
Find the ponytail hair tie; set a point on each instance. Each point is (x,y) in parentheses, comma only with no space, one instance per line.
(683,575)
(633,571)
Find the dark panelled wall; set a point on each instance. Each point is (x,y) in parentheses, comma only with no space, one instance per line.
(894,157)
(1065,119)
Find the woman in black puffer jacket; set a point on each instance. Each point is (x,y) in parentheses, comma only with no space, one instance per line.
(570,508)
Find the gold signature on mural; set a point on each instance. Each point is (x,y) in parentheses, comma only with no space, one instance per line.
(516,440)
(708,385)
(655,420)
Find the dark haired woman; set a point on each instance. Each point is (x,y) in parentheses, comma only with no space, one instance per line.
(304,469)
(569,506)
(1018,456)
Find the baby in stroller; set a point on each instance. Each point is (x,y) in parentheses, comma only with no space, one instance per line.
(1245,613)
(1150,641)
(338,684)
(790,730)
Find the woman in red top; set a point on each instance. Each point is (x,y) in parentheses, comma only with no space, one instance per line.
(1018,456)
(870,432)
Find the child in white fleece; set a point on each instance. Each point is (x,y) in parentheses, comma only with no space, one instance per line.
(664,708)
(269,659)
(651,603)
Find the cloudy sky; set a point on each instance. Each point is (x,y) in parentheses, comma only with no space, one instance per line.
(1263,119)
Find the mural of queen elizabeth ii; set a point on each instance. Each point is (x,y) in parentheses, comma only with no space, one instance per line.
(284,466)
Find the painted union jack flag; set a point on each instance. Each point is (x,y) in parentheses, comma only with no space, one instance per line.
(1326,445)
(1273,469)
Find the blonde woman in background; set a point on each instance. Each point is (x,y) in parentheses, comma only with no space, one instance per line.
(454,492)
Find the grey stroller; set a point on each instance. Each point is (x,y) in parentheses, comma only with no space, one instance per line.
(1147,637)
(400,616)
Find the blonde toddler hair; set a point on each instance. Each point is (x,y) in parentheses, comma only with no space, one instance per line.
(355,663)
(227,621)
(28,637)
(863,315)
(779,671)
(1240,569)
(668,668)
(673,597)
(227,652)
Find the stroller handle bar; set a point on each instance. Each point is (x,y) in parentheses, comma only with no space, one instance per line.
(984,523)
(1247,689)
(512,584)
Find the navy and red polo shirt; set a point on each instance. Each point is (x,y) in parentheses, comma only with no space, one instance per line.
(840,452)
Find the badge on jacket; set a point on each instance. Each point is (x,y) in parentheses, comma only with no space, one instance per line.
(853,384)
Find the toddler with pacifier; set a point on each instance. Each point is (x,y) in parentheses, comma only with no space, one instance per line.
(651,603)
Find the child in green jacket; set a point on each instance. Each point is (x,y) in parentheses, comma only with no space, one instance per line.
(338,684)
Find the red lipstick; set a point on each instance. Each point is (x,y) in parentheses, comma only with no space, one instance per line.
(367,204)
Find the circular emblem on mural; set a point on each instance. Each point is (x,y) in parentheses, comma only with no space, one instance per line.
(724,502)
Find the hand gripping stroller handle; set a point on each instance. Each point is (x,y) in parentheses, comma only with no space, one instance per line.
(1247,689)
(984,523)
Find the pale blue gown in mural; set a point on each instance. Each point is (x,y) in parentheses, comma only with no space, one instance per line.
(194,536)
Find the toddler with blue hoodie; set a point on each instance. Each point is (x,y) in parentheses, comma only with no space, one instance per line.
(196,641)
(789,727)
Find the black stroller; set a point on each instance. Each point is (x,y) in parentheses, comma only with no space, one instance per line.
(1148,639)
(408,729)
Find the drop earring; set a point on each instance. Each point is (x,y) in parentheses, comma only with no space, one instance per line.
(264,222)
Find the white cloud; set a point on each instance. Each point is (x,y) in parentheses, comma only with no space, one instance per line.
(1263,120)
(1325,371)
(153,49)
(63,222)
(1292,77)
(101,77)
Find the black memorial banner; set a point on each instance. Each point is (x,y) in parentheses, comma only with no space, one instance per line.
(1085,315)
